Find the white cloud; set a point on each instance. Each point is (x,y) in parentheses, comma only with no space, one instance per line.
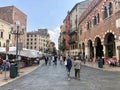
(54,35)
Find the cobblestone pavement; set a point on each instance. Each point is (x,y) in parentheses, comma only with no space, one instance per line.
(55,78)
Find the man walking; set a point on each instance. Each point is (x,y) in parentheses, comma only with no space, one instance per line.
(77,66)
(46,60)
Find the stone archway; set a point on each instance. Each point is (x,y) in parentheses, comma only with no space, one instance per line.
(91,49)
(98,47)
(109,45)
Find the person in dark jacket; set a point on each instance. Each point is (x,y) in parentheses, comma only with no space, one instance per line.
(55,59)
(46,59)
(69,66)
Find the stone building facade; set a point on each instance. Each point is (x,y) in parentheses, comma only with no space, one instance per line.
(75,14)
(61,40)
(5,33)
(38,40)
(66,33)
(71,27)
(98,31)
(11,14)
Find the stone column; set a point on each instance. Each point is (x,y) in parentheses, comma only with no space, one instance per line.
(117,43)
(94,54)
(87,51)
(94,59)
(104,51)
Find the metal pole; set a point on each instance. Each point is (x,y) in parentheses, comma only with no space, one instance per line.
(17,48)
(7,46)
(5,66)
(19,62)
(17,33)
(17,45)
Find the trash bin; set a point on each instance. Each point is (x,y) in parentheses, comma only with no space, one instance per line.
(100,63)
(13,70)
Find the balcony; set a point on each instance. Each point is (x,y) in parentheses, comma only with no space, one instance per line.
(64,32)
(73,31)
(73,41)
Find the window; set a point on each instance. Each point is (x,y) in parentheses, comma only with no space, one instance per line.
(44,45)
(87,25)
(4,45)
(98,18)
(81,32)
(1,35)
(105,12)
(110,9)
(95,20)
(71,24)
(9,36)
(90,24)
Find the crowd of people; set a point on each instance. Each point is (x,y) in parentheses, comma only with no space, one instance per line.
(68,61)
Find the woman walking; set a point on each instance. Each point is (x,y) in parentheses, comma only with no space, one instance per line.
(61,59)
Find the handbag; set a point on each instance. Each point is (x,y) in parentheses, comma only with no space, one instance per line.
(65,63)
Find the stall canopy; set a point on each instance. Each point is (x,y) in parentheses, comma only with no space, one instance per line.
(25,52)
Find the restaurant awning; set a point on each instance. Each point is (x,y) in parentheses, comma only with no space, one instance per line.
(25,52)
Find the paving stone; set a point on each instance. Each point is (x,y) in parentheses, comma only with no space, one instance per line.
(55,78)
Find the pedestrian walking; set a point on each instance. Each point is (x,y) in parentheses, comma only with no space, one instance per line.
(49,59)
(68,66)
(1,65)
(64,58)
(46,60)
(7,65)
(77,67)
(84,59)
(55,59)
(61,59)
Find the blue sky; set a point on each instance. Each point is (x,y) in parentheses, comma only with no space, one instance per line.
(43,13)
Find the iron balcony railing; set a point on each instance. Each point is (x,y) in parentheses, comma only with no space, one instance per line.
(73,31)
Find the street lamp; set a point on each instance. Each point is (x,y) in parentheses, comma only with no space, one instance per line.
(17,32)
